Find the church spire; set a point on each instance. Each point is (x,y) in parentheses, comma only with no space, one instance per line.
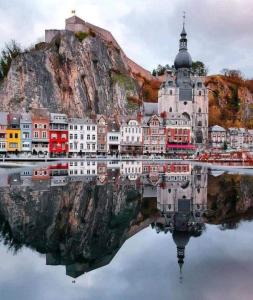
(180,257)
(183,39)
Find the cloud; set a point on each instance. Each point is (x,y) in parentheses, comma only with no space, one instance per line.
(219,32)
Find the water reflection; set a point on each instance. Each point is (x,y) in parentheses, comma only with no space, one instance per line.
(79,214)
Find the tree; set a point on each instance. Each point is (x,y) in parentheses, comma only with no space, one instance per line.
(199,68)
(10,51)
(160,70)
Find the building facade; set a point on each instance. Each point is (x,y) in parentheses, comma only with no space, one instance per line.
(40,131)
(217,137)
(13,133)
(131,141)
(101,134)
(154,135)
(82,136)
(113,138)
(58,135)
(3,133)
(182,93)
(26,133)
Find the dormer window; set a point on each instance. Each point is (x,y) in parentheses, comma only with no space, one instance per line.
(199,85)
(199,93)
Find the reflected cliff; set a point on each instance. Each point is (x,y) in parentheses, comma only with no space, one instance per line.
(79,214)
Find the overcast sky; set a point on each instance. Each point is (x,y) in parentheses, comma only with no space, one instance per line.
(219,31)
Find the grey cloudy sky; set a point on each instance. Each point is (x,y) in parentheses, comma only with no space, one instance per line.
(219,31)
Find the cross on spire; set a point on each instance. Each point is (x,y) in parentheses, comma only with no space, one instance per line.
(184,16)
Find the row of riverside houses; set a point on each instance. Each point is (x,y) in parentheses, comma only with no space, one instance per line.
(55,135)
(232,138)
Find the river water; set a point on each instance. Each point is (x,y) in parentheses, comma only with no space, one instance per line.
(125,230)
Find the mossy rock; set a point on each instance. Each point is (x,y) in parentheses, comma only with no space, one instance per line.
(80,35)
(124,81)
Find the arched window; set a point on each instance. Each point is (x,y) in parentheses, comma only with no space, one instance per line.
(199,110)
(170,92)
(199,93)
(170,109)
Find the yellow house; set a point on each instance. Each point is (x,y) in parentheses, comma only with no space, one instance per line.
(13,139)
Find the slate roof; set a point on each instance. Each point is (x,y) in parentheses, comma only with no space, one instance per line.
(150,109)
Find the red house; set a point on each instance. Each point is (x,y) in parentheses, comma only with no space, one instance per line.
(40,129)
(58,135)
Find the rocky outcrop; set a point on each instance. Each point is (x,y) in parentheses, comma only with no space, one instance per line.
(77,75)
(230,101)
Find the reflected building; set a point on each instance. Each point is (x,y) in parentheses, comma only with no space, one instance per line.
(182,201)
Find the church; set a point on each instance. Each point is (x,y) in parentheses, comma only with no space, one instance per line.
(183,102)
(183,97)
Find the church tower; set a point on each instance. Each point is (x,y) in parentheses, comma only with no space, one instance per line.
(184,98)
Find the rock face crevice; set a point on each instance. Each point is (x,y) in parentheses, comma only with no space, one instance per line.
(80,78)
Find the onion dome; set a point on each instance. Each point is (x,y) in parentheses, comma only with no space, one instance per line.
(183,58)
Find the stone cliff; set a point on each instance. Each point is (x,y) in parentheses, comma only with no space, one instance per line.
(80,74)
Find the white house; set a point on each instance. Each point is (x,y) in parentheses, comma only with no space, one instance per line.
(113,138)
(131,168)
(82,168)
(131,137)
(217,136)
(82,136)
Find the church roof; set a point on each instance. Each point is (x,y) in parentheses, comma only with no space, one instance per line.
(150,109)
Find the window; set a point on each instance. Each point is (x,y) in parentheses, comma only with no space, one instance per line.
(71,127)
(35,125)
(26,135)
(93,128)
(13,145)
(170,92)
(36,134)
(199,93)
(75,127)
(88,127)
(16,135)
(44,134)
(93,137)
(11,135)
(45,126)
(81,136)
(88,137)
(75,136)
